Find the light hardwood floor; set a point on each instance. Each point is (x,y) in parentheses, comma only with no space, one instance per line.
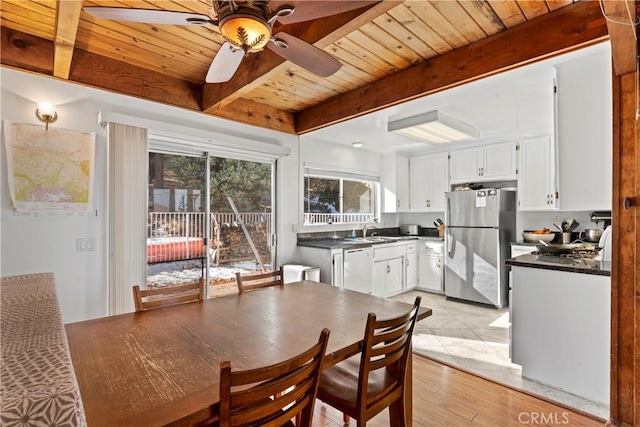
(445,396)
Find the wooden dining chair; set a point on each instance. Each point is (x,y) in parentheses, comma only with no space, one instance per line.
(257,281)
(361,387)
(146,299)
(271,396)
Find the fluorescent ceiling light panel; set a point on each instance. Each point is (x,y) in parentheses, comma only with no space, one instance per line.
(434,127)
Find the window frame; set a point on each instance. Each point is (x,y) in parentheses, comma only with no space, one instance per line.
(341,175)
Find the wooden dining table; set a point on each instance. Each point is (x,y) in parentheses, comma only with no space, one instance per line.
(161,367)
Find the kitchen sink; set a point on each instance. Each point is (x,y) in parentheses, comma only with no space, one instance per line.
(372,239)
(383,238)
(360,240)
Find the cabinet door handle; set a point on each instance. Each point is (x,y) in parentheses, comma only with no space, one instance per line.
(398,203)
(388,269)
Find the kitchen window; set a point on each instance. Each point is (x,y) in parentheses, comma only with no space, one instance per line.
(333,197)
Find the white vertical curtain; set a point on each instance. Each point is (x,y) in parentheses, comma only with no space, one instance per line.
(128,193)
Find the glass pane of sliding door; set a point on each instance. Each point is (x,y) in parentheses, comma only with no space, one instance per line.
(242,220)
(176,231)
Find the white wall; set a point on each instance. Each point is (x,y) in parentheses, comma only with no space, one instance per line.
(48,243)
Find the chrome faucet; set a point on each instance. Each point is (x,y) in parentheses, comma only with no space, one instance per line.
(364,229)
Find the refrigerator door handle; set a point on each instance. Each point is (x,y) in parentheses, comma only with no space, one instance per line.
(450,244)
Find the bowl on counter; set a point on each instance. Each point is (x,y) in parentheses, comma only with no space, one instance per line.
(591,235)
(530,237)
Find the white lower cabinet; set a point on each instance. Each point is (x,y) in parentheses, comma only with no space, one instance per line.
(561,330)
(411,264)
(430,267)
(387,276)
(388,269)
(337,267)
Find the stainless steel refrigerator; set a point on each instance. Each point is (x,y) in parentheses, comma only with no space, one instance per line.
(480,226)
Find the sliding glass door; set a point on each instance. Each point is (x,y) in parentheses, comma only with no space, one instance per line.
(243,223)
(177,247)
(209,218)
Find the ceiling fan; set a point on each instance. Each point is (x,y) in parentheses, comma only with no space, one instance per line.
(247,27)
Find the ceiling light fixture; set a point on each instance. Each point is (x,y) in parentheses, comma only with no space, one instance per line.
(357,144)
(248,25)
(46,112)
(434,127)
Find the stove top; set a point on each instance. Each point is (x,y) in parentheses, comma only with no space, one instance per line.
(577,253)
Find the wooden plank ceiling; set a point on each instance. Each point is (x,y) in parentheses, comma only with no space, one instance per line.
(389,52)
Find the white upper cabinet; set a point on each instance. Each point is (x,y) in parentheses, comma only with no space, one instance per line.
(488,163)
(536,182)
(395,184)
(402,183)
(584,133)
(428,181)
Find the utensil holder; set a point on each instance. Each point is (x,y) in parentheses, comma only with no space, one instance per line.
(566,238)
(440,229)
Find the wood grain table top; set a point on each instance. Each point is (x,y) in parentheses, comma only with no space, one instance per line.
(162,366)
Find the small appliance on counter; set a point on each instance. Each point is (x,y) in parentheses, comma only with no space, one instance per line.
(605,244)
(604,216)
(409,230)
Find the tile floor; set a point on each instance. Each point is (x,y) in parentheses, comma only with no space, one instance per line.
(476,338)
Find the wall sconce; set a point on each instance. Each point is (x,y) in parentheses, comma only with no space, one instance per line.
(46,112)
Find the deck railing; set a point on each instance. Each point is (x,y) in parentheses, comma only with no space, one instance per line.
(179,235)
(336,218)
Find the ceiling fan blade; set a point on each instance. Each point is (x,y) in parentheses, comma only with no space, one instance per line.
(305,55)
(306,10)
(148,16)
(225,64)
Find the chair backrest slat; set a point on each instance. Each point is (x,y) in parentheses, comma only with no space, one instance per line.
(272,395)
(256,281)
(387,344)
(146,299)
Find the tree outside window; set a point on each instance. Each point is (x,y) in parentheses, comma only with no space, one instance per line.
(330,200)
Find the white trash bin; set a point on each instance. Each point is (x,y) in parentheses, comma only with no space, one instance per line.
(295,273)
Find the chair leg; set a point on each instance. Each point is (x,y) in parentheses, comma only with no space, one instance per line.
(397,414)
(345,418)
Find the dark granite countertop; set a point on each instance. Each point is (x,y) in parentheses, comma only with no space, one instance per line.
(572,265)
(345,243)
(522,243)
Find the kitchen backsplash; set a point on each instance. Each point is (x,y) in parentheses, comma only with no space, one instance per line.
(537,220)
(524,220)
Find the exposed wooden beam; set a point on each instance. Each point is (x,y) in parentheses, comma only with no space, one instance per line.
(67,19)
(35,54)
(621,15)
(101,72)
(563,30)
(25,51)
(257,69)
(257,114)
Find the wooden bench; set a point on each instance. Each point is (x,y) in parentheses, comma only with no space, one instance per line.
(39,385)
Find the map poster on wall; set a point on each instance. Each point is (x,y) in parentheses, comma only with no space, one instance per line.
(49,170)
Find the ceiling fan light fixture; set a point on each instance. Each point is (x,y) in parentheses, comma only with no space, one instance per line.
(434,127)
(246,29)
